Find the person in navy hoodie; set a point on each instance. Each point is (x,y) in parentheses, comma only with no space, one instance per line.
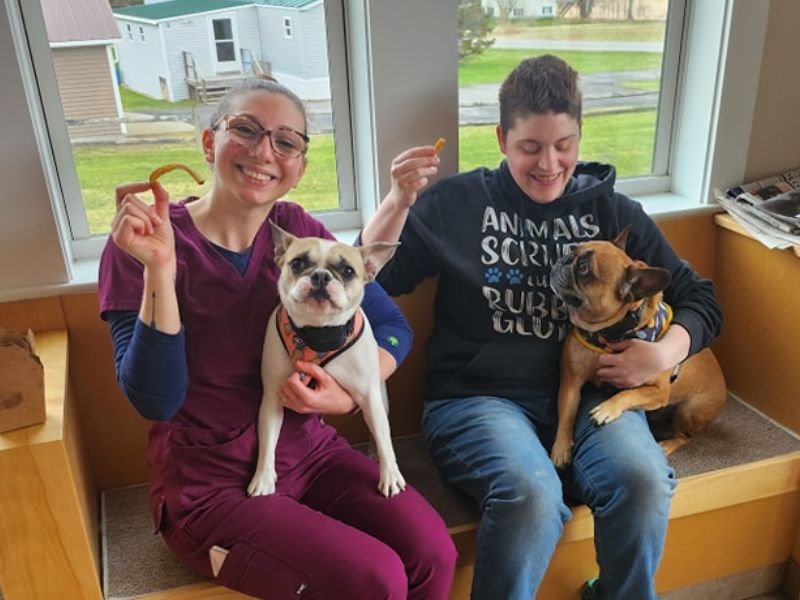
(187,288)
(491,237)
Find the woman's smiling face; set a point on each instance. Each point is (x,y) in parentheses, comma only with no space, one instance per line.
(542,151)
(255,175)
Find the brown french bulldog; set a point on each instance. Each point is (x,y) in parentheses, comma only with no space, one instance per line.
(610,297)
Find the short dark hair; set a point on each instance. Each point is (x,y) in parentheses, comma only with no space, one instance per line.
(257,84)
(540,85)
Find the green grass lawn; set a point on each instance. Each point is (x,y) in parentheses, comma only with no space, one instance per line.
(607,31)
(624,140)
(135,102)
(102,168)
(493,65)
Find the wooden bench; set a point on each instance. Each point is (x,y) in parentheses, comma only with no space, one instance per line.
(744,468)
(736,509)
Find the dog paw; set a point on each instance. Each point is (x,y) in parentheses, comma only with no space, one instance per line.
(605,412)
(561,454)
(262,484)
(391,482)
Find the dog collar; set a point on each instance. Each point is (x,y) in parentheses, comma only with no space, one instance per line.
(317,344)
(627,328)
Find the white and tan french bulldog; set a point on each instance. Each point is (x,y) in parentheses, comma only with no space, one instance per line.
(319,319)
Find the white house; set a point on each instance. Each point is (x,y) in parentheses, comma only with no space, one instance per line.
(166,43)
(521,9)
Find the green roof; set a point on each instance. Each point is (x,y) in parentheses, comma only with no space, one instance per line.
(285,3)
(179,8)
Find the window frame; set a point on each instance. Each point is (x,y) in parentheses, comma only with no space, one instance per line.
(56,147)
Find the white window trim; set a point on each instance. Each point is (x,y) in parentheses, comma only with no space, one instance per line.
(715,103)
(288,28)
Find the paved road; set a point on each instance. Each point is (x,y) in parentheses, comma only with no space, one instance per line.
(478,103)
(509,43)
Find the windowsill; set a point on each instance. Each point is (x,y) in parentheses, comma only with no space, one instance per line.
(84,271)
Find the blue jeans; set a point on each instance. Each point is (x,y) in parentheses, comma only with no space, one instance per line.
(497,451)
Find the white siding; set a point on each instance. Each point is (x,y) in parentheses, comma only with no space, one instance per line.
(530,9)
(301,63)
(141,63)
(189,34)
(248,33)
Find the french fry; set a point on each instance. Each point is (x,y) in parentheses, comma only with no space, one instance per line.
(437,147)
(163,170)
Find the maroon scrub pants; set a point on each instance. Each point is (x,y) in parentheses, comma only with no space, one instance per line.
(327,533)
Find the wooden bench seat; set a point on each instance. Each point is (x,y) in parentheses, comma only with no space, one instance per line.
(742,458)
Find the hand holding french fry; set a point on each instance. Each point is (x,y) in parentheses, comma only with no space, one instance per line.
(143,230)
(411,171)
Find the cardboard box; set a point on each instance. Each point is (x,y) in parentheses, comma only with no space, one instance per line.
(21,381)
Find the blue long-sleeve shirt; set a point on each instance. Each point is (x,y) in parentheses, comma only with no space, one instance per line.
(151,365)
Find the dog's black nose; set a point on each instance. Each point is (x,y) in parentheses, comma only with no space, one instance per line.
(320,278)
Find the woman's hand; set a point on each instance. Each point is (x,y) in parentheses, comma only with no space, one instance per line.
(328,397)
(411,171)
(144,230)
(632,363)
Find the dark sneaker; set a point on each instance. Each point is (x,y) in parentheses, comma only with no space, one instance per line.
(590,589)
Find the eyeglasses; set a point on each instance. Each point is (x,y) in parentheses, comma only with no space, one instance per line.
(245,130)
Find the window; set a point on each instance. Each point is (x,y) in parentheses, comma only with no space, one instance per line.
(547,10)
(287,27)
(518,12)
(96,145)
(717,88)
(224,45)
(628,72)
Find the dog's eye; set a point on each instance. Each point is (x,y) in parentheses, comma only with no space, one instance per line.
(584,267)
(346,271)
(298,264)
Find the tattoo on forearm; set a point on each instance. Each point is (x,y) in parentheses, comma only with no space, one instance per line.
(153,309)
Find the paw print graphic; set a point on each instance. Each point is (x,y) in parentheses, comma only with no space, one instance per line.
(493,275)
(514,276)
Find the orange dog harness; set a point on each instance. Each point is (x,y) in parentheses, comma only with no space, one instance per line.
(317,345)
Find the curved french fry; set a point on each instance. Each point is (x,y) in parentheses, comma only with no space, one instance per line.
(163,170)
(437,147)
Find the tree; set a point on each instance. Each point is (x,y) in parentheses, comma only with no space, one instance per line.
(586,7)
(473,28)
(630,14)
(505,8)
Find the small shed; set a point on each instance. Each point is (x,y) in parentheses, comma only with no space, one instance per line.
(179,49)
(82,34)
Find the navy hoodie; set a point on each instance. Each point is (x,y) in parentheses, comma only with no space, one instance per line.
(498,328)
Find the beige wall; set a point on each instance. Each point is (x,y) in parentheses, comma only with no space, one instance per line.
(775,141)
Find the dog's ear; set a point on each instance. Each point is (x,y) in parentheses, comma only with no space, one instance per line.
(642,281)
(282,240)
(622,237)
(375,256)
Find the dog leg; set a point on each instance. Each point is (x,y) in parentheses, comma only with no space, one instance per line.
(568,400)
(391,480)
(671,445)
(647,397)
(270,419)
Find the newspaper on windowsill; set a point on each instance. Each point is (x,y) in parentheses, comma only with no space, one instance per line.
(769,209)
